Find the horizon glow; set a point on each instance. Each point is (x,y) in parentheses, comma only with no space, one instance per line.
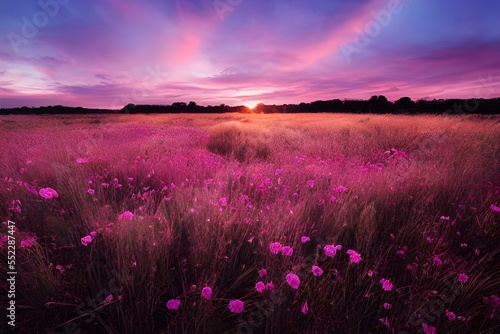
(108,53)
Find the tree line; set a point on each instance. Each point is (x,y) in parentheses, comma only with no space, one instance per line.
(376,104)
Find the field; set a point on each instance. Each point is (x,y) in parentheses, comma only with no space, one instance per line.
(232,223)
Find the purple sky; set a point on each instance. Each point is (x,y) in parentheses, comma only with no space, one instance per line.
(107,53)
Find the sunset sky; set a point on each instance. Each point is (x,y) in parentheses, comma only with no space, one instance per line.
(107,53)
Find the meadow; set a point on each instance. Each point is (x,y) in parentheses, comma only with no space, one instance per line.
(251,223)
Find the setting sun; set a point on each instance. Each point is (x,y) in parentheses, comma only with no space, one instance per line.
(252,104)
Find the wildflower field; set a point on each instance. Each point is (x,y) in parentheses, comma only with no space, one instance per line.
(233,223)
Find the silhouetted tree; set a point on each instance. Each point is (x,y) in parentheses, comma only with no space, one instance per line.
(404,103)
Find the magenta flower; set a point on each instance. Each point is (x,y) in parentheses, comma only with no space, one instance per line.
(437,260)
(333,199)
(287,251)
(317,271)
(28,242)
(260,286)
(223,201)
(48,193)
(293,280)
(462,278)
(206,292)
(340,189)
(86,240)
(278,171)
(386,284)
(495,208)
(305,239)
(450,315)
(126,215)
(236,306)
(385,321)
(447,218)
(275,247)
(91,191)
(208,181)
(305,308)
(402,251)
(428,329)
(270,286)
(262,272)
(354,256)
(387,306)
(331,250)
(82,160)
(310,183)
(173,304)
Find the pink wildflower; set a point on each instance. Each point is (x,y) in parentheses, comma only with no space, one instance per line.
(387,306)
(48,193)
(236,306)
(126,215)
(305,239)
(270,286)
(262,272)
(86,240)
(437,260)
(173,304)
(317,271)
(223,201)
(340,189)
(386,284)
(305,308)
(260,286)
(82,160)
(495,208)
(206,292)
(91,191)
(293,280)
(28,242)
(428,329)
(450,315)
(462,278)
(402,251)
(385,321)
(354,256)
(331,250)
(275,247)
(310,183)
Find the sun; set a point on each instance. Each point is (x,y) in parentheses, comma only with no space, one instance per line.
(252,104)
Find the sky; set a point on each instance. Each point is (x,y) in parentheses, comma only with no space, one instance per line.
(108,53)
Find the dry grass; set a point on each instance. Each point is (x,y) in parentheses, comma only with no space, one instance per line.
(174,170)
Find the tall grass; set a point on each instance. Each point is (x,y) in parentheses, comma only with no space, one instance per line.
(210,193)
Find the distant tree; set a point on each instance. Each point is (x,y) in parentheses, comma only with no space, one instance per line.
(405,103)
(128,108)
